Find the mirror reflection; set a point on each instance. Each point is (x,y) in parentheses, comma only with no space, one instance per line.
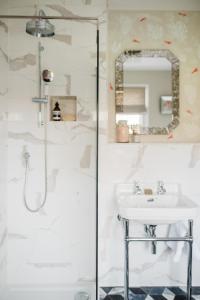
(146,92)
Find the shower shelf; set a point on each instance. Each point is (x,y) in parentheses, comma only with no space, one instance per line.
(68,107)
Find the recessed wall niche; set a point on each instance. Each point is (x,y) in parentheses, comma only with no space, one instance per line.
(67,105)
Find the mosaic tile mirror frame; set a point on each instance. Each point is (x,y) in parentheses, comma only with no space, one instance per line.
(119,86)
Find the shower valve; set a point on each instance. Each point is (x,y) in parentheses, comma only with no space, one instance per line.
(27,156)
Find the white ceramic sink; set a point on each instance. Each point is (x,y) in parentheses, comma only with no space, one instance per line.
(156,209)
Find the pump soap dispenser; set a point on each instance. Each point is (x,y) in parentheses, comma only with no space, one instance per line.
(56,113)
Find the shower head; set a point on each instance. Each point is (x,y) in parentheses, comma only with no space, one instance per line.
(47,76)
(40,27)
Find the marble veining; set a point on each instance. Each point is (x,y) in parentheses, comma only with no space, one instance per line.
(3,237)
(18,63)
(195,156)
(88,2)
(15,179)
(22,62)
(68,83)
(3,93)
(27,137)
(138,163)
(102,131)
(17,236)
(50,265)
(52,225)
(4,26)
(64,38)
(86,157)
(52,178)
(87,280)
(165,255)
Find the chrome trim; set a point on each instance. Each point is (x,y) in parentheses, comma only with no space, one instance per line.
(119,86)
(48,17)
(188,238)
(160,239)
(189,269)
(151,232)
(39,100)
(126,259)
(161,188)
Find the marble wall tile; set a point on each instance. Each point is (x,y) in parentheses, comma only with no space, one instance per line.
(3,145)
(142,165)
(56,247)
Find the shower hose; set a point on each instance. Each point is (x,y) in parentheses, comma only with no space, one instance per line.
(27,159)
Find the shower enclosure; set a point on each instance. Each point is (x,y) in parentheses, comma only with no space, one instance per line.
(50,254)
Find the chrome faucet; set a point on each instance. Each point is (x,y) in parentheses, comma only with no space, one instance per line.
(138,190)
(160,188)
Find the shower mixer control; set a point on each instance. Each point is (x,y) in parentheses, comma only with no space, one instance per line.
(47,76)
(27,155)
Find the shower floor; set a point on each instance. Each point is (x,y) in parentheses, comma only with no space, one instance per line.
(47,294)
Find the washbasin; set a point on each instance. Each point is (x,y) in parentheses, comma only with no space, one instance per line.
(156,209)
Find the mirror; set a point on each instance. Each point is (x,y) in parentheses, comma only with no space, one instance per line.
(147,91)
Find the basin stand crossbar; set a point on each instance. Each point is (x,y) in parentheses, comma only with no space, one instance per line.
(127,239)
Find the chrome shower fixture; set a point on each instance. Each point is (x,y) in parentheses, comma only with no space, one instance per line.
(40,27)
(47,76)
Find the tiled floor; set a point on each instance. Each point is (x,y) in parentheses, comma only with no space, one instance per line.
(148,293)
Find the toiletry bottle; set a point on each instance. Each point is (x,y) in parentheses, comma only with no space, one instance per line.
(122,132)
(56,113)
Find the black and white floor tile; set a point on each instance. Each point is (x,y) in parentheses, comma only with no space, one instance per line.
(148,293)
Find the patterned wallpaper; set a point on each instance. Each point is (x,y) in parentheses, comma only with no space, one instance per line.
(177,31)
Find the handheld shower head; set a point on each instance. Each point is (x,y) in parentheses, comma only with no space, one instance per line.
(47,76)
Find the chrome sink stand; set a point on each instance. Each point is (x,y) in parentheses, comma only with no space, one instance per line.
(127,239)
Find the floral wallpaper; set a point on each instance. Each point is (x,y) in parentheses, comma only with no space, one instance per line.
(177,31)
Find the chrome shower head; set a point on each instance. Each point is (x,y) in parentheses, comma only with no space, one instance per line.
(47,76)
(40,27)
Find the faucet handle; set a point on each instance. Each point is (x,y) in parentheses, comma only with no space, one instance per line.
(160,183)
(160,188)
(138,190)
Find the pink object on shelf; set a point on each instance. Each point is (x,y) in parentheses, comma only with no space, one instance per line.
(122,132)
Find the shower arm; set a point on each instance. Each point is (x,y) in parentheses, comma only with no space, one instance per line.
(49,18)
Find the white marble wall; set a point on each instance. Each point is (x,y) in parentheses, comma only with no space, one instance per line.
(3,150)
(54,249)
(179,163)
